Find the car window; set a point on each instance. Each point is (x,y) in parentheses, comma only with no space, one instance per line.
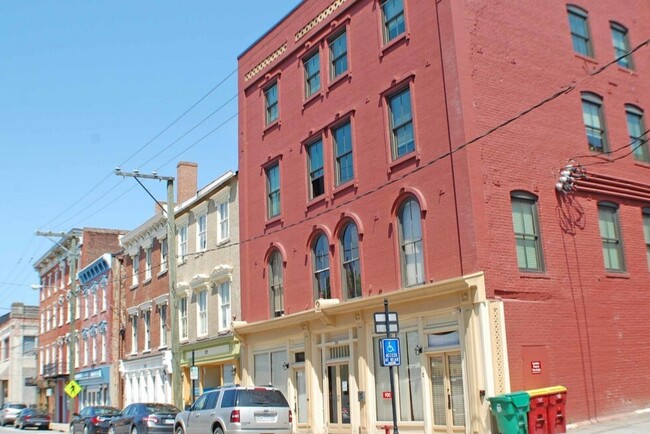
(106,410)
(211,400)
(228,399)
(128,410)
(19,406)
(198,405)
(162,408)
(261,397)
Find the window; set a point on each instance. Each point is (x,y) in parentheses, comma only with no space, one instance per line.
(621,45)
(401,123)
(182,243)
(223,232)
(338,55)
(134,334)
(392,12)
(163,324)
(526,227)
(201,232)
(410,233)
(610,233)
(86,348)
(276,284)
(271,102)
(350,262)
(147,264)
(93,290)
(592,114)
(163,254)
(273,190)
(343,150)
(312,74)
(93,359)
(316,171)
(86,304)
(636,131)
(182,317)
(579,31)
(136,271)
(147,330)
(104,289)
(321,263)
(29,345)
(646,232)
(104,349)
(202,313)
(224,305)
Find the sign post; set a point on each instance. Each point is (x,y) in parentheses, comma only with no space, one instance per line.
(387,322)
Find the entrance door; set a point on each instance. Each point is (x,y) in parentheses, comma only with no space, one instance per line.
(338,396)
(300,406)
(448,393)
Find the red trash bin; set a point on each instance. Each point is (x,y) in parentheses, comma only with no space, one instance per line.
(538,414)
(556,410)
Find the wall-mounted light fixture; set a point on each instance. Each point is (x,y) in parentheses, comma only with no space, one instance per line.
(285,366)
(233,370)
(418,350)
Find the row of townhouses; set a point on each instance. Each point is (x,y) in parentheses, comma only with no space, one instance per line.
(482,167)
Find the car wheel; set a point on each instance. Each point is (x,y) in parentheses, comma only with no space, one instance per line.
(22,425)
(86,430)
(180,430)
(218,430)
(134,430)
(111,430)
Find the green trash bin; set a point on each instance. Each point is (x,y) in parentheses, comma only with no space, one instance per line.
(511,412)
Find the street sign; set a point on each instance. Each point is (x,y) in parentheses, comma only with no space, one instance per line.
(194,372)
(390,354)
(380,322)
(72,389)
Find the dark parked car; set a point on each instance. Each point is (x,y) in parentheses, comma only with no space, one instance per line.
(236,410)
(9,411)
(93,419)
(32,417)
(144,418)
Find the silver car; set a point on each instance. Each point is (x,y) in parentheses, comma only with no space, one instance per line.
(9,411)
(237,410)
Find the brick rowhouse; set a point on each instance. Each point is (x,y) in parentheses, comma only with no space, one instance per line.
(455,71)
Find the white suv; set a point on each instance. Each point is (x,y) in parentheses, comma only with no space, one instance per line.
(236,410)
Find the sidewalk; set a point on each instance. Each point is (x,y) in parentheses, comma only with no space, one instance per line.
(637,422)
(62,427)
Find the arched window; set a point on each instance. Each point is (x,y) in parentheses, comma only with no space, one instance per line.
(525,223)
(321,262)
(276,284)
(351,268)
(636,132)
(410,239)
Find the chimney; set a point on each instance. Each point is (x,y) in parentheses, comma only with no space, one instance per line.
(186,181)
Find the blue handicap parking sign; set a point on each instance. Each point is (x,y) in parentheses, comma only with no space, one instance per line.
(390,354)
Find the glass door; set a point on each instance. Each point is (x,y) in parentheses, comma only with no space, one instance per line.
(300,408)
(448,392)
(338,395)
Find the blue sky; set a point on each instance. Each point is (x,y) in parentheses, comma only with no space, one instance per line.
(85,86)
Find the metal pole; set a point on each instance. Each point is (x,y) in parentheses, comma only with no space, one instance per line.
(390,374)
(173,301)
(193,379)
(73,313)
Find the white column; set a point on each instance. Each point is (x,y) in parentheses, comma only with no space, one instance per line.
(151,391)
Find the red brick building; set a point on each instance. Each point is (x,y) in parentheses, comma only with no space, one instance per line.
(95,338)
(410,151)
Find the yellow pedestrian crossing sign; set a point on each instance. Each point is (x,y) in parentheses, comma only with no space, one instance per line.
(72,389)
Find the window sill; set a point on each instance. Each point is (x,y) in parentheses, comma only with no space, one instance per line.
(320,200)
(202,338)
(408,159)
(398,41)
(523,274)
(587,59)
(224,241)
(275,125)
(617,274)
(345,188)
(311,98)
(644,164)
(147,280)
(162,347)
(627,71)
(343,77)
(146,351)
(275,221)
(161,273)
(135,285)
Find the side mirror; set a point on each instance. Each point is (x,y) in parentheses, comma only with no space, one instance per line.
(75,414)
(188,407)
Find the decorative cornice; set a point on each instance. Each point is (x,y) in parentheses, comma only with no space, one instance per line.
(266,62)
(221,273)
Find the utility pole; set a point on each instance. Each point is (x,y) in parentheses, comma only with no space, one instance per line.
(72,304)
(177,391)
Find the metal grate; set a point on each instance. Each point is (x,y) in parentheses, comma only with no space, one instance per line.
(339,352)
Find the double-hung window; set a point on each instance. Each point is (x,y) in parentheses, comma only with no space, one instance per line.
(202,311)
(321,263)
(224,305)
(610,233)
(312,74)
(592,115)
(162,311)
(182,318)
(401,123)
(621,45)
(273,190)
(147,264)
(276,284)
(338,55)
(147,330)
(136,269)
(343,151)
(526,228)
(163,254)
(636,132)
(410,237)
(202,232)
(579,31)
(134,334)
(223,231)
(392,12)
(316,170)
(182,243)
(350,262)
(271,103)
